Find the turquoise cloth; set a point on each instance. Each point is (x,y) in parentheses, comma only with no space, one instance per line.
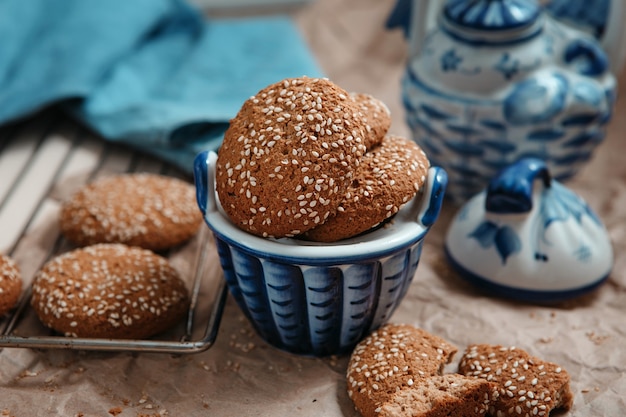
(154,74)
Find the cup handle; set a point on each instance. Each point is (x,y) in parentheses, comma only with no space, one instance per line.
(586,57)
(432,199)
(511,191)
(204,178)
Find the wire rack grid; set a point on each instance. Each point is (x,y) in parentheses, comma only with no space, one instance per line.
(42,162)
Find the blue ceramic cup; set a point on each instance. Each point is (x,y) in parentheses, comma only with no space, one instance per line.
(317,298)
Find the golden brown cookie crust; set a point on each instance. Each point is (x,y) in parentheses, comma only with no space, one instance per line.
(10,284)
(109,291)
(377,118)
(147,210)
(288,156)
(393,358)
(528,386)
(388,177)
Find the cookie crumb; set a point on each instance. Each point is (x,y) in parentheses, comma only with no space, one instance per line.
(597,339)
(115,411)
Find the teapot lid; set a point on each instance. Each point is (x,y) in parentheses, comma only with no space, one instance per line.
(492,15)
(529,240)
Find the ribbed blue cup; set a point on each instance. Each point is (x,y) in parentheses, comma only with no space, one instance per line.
(319,299)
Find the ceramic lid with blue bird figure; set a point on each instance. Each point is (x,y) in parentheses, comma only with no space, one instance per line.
(528,237)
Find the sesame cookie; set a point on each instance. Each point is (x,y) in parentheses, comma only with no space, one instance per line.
(109,291)
(10,284)
(528,386)
(377,118)
(148,210)
(388,177)
(390,359)
(288,156)
(450,395)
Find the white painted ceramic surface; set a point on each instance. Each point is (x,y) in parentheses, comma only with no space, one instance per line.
(529,237)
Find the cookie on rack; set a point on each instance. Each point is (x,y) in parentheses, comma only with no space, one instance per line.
(151,211)
(10,284)
(528,386)
(389,176)
(397,371)
(109,291)
(288,156)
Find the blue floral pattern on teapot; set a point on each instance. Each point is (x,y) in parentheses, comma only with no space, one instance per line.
(511,192)
(493,81)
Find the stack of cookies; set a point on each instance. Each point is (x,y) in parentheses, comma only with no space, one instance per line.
(305,158)
(114,285)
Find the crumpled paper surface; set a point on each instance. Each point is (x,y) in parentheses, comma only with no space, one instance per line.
(241,375)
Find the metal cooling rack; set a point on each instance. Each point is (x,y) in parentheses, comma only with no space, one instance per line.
(43,161)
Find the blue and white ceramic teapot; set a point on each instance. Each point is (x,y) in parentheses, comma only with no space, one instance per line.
(491,81)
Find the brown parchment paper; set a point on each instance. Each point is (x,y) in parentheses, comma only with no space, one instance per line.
(242,376)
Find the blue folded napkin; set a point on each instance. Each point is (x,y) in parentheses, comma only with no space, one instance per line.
(154,74)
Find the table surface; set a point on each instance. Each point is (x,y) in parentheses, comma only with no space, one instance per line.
(45,159)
